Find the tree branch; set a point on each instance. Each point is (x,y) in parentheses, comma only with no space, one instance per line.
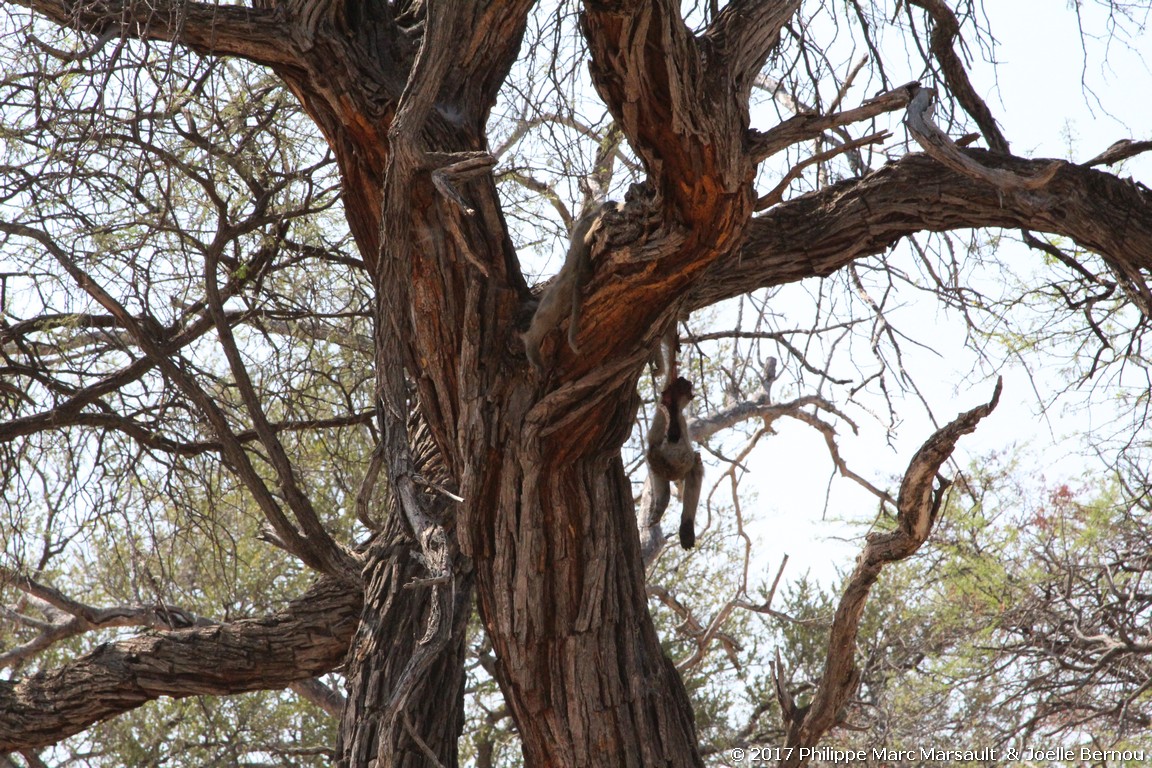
(83,618)
(796,171)
(324,556)
(495,34)
(255,34)
(320,695)
(946,30)
(917,506)
(306,639)
(743,35)
(1121,150)
(305,513)
(818,233)
(809,126)
(937,144)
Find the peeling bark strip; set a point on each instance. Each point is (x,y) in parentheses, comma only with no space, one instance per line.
(310,637)
(406,663)
(942,149)
(916,509)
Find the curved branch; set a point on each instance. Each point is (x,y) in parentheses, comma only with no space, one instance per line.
(917,506)
(306,639)
(819,233)
(255,34)
(946,30)
(937,144)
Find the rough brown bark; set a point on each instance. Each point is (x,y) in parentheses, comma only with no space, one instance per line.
(563,596)
(405,704)
(310,637)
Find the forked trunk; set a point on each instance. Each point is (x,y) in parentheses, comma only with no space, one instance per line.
(547,529)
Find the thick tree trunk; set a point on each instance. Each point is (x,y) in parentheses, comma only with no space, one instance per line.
(550,531)
(561,588)
(547,519)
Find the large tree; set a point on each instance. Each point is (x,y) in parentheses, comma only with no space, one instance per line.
(505,486)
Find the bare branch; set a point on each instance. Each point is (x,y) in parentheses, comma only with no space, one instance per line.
(777,193)
(1121,150)
(946,30)
(85,618)
(917,506)
(809,126)
(319,541)
(829,433)
(109,34)
(819,233)
(321,695)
